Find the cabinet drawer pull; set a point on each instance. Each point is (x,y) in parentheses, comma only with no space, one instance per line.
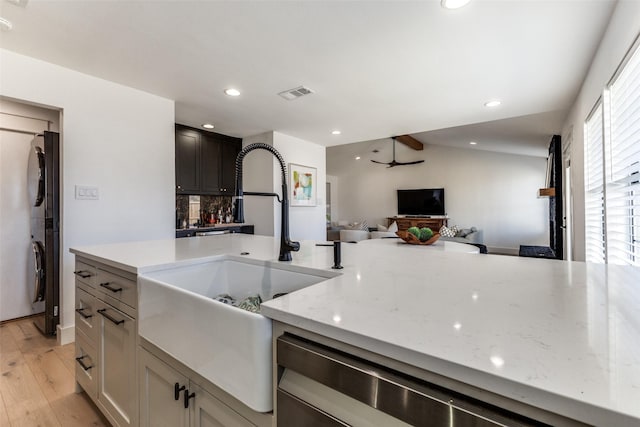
(106,285)
(85,367)
(176,390)
(83,274)
(103,313)
(80,311)
(188,396)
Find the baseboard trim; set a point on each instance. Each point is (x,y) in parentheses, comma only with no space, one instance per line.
(66,335)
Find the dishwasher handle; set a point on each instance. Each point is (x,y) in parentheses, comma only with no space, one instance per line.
(408,399)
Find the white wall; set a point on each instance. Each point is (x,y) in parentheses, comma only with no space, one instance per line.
(261,172)
(16,256)
(306,222)
(257,175)
(114,137)
(494,192)
(623,28)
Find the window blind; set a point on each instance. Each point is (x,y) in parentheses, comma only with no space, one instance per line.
(594,188)
(622,157)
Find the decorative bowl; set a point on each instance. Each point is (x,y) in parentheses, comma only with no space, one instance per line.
(413,240)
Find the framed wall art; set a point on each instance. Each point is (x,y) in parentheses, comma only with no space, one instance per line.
(303,185)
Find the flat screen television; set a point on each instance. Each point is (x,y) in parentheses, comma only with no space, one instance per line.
(422,202)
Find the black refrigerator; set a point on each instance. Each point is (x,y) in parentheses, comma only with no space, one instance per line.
(44,194)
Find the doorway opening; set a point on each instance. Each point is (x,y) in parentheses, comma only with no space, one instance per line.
(29,214)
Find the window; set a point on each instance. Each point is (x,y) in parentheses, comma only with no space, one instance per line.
(594,188)
(622,155)
(612,170)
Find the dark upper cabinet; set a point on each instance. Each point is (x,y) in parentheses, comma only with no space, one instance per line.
(229,150)
(187,161)
(210,165)
(205,162)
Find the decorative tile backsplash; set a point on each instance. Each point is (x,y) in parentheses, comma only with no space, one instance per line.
(194,209)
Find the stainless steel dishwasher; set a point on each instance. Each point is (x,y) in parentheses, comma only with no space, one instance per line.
(320,386)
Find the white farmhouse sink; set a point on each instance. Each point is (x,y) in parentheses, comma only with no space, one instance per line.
(228,346)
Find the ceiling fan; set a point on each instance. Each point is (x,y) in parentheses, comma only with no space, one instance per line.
(405,139)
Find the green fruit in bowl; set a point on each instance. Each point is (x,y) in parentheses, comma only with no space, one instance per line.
(425,234)
(415,231)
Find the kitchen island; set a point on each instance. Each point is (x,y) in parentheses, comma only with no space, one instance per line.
(560,336)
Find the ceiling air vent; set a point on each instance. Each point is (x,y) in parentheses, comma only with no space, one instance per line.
(295,93)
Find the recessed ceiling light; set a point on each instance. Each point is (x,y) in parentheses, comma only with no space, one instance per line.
(473,143)
(357,157)
(208,126)
(5,24)
(493,103)
(336,132)
(232,92)
(454,4)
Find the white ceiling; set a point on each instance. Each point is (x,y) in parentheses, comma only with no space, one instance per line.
(378,68)
(526,135)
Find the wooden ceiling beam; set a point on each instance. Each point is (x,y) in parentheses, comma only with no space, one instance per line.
(410,142)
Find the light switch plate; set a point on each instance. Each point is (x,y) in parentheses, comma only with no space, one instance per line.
(84,192)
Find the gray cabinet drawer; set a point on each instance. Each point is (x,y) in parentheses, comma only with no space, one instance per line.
(85,273)
(117,287)
(86,316)
(86,365)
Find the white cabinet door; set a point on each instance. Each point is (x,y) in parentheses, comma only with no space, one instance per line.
(117,381)
(159,387)
(207,411)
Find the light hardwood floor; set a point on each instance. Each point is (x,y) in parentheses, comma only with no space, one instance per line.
(37,381)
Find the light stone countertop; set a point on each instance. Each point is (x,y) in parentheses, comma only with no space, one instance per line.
(564,336)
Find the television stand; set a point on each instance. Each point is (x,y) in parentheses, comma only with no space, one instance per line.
(405,222)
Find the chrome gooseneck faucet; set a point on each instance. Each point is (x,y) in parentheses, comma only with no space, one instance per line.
(286,245)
